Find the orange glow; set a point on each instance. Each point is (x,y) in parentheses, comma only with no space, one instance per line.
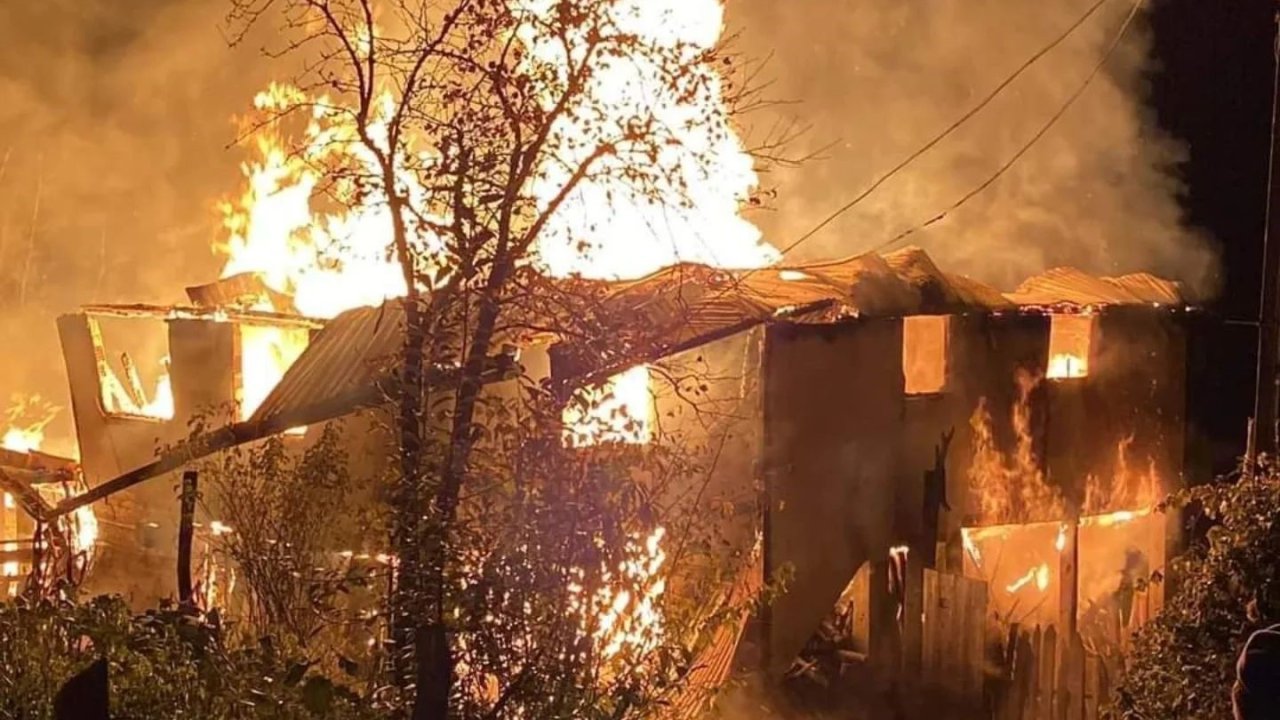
(626,618)
(27,417)
(1038,575)
(925,340)
(621,410)
(266,353)
(1010,487)
(1070,345)
(1065,365)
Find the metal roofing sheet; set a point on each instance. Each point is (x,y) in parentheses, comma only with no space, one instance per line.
(688,304)
(1069,286)
(342,364)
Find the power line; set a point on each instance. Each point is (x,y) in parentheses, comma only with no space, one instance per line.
(1026,65)
(1115,43)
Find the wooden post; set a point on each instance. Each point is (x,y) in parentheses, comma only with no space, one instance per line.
(186,529)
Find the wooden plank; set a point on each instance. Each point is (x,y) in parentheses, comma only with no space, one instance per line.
(1048,673)
(1023,679)
(950,633)
(1073,679)
(1091,700)
(975,631)
(929,633)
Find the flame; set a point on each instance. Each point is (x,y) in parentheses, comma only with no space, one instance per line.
(1060,543)
(27,416)
(621,410)
(626,617)
(606,230)
(23,440)
(1070,343)
(1066,365)
(1010,487)
(325,242)
(1038,575)
(116,400)
(1126,487)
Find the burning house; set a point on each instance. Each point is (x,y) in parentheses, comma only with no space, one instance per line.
(951,462)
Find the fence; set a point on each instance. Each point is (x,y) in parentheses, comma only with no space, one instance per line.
(1009,672)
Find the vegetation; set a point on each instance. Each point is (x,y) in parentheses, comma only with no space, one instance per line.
(1227,586)
(163,664)
(495,138)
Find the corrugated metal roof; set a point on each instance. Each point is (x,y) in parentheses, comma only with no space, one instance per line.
(1069,286)
(342,365)
(688,304)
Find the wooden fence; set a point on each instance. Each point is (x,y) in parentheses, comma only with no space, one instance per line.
(1029,674)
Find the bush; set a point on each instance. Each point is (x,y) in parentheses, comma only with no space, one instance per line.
(1228,585)
(162,664)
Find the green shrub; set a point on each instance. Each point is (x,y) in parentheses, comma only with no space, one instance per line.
(162,664)
(1228,585)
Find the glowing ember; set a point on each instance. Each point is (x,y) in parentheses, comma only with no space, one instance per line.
(1060,543)
(621,410)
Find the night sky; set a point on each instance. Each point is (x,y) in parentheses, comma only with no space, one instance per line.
(1212,88)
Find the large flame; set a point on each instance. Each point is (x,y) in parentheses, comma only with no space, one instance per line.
(1010,487)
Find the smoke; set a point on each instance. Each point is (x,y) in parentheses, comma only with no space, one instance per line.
(114,118)
(876,80)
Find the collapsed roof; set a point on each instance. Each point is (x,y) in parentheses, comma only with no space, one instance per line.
(349,362)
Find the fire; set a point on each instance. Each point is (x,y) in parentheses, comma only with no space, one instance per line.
(1065,365)
(606,230)
(266,353)
(27,416)
(621,410)
(326,243)
(23,440)
(130,399)
(626,617)
(1070,343)
(1126,487)
(1038,575)
(1010,487)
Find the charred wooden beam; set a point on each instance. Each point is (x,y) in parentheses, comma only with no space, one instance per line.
(173,312)
(24,494)
(186,531)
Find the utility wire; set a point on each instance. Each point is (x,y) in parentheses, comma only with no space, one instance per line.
(1115,43)
(950,128)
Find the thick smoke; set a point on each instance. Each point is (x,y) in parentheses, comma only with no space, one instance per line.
(114,118)
(878,79)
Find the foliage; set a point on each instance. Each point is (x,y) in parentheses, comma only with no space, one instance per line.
(162,664)
(1226,586)
(299,543)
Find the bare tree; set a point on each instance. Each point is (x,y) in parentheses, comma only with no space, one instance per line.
(477,125)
